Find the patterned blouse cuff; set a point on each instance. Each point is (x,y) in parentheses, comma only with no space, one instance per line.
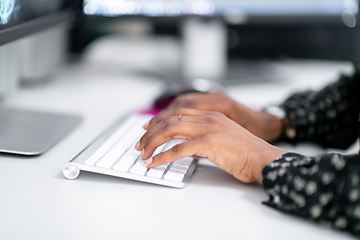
(281,162)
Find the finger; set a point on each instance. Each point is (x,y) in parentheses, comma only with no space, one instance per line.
(175,112)
(183,130)
(173,121)
(183,101)
(149,133)
(177,103)
(182,150)
(167,123)
(190,100)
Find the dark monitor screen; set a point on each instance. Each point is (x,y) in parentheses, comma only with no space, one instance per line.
(19,18)
(219,7)
(325,29)
(17,11)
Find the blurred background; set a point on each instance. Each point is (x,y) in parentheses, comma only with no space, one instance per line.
(177,40)
(216,39)
(254,28)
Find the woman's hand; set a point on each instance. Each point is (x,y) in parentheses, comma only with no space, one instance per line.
(216,101)
(261,124)
(209,135)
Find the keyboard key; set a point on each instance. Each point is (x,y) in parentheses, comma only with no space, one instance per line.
(111,157)
(127,159)
(184,161)
(93,159)
(139,168)
(156,172)
(122,166)
(179,168)
(107,162)
(111,141)
(132,154)
(96,156)
(126,142)
(131,138)
(174,175)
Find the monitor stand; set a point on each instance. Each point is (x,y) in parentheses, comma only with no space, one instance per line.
(21,131)
(32,133)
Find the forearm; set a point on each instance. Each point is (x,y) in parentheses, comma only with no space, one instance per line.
(325,189)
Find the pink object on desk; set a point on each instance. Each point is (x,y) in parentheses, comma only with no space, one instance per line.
(152,111)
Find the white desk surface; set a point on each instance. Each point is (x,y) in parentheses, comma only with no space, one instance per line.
(37,202)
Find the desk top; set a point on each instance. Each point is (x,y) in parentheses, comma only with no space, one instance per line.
(39,203)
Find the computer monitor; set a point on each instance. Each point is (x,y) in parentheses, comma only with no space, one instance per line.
(22,131)
(26,18)
(20,18)
(322,29)
(233,10)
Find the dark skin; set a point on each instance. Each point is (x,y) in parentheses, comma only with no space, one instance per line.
(217,128)
(260,123)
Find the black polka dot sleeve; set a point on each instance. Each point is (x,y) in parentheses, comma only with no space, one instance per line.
(329,117)
(325,189)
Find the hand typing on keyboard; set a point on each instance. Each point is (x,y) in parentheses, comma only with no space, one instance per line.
(209,135)
(113,153)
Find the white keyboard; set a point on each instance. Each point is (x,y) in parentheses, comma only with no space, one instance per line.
(113,153)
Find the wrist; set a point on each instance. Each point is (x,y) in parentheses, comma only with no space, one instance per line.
(276,123)
(265,126)
(264,158)
(240,114)
(261,124)
(272,127)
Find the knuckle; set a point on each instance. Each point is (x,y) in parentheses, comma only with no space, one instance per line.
(219,116)
(176,148)
(168,125)
(147,144)
(157,158)
(144,137)
(185,100)
(210,119)
(214,116)
(167,120)
(179,111)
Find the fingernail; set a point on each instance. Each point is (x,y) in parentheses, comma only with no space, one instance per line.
(146,124)
(142,153)
(137,145)
(149,161)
